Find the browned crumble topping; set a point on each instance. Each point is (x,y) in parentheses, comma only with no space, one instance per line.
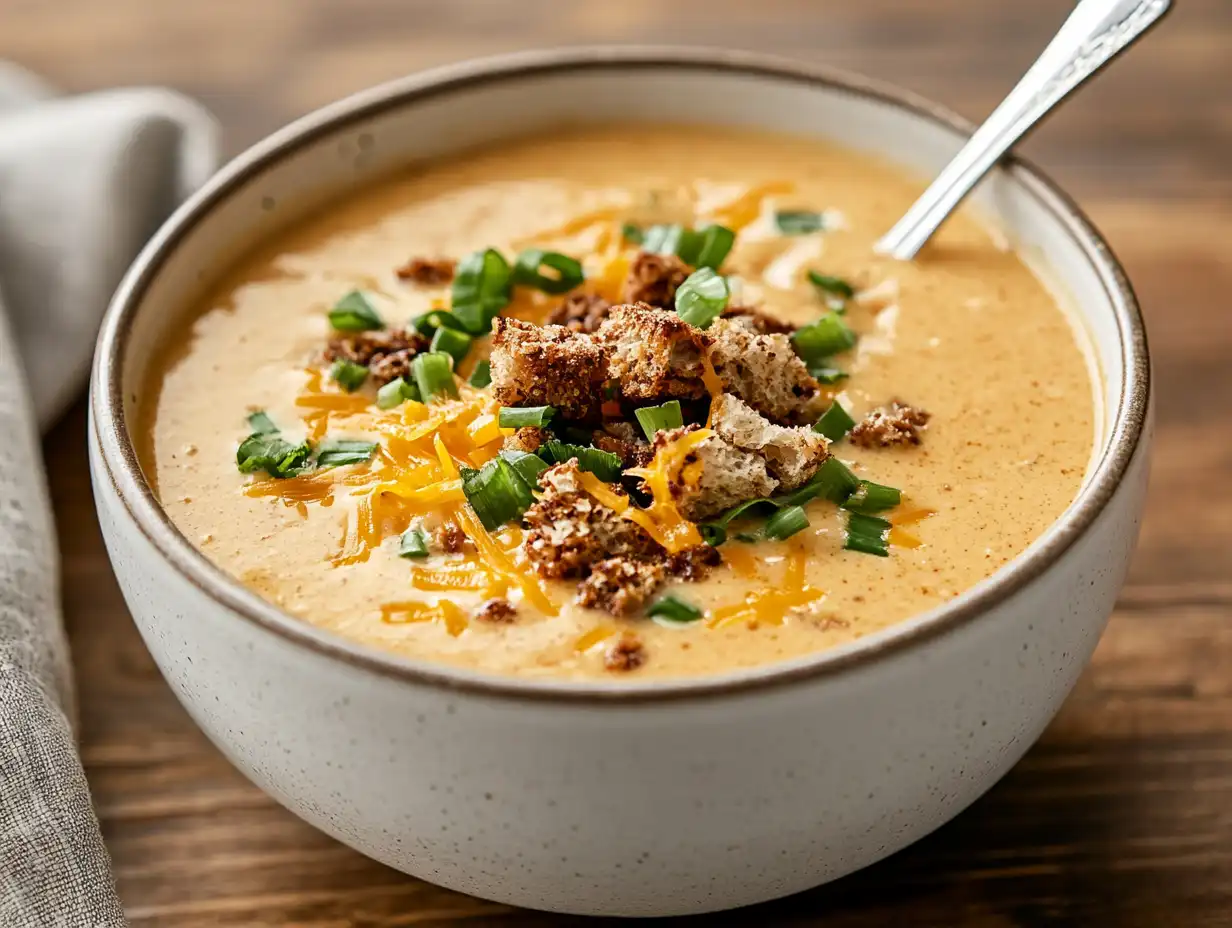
(387,354)
(620,439)
(628,653)
(896,424)
(757,321)
(427,272)
(581,312)
(497,611)
(449,537)
(654,354)
(529,438)
(654,279)
(547,366)
(693,564)
(620,585)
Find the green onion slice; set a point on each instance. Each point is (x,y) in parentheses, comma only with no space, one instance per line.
(348,375)
(828,375)
(481,286)
(269,452)
(261,424)
(481,376)
(565,273)
(427,324)
(497,492)
(663,418)
(673,611)
(396,392)
(529,466)
(516,417)
(705,246)
(872,497)
(785,523)
(799,221)
(818,340)
(433,372)
(833,481)
(603,464)
(344,451)
(867,534)
(835,422)
(632,233)
(833,286)
(452,342)
(414,543)
(702,297)
(662,239)
(354,313)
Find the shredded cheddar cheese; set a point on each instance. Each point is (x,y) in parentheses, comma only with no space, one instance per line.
(662,520)
(770,607)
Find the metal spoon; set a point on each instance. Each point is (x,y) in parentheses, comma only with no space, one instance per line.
(1095,33)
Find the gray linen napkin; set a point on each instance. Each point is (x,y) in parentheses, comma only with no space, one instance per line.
(84,181)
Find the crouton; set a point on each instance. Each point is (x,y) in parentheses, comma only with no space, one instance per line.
(529,438)
(547,366)
(757,321)
(727,476)
(620,585)
(764,371)
(896,424)
(623,440)
(654,279)
(653,353)
(792,455)
(580,312)
(568,531)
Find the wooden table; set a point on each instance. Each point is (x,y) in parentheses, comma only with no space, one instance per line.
(1121,815)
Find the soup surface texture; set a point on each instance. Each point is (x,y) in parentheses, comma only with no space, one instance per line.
(965,333)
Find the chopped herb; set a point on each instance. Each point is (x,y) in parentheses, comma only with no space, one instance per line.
(702,297)
(269,452)
(834,481)
(818,340)
(396,392)
(353,313)
(835,422)
(834,286)
(715,533)
(497,492)
(632,234)
(705,246)
(261,424)
(427,324)
(867,534)
(433,372)
(344,451)
(516,417)
(673,611)
(481,376)
(529,466)
(452,342)
(603,464)
(348,375)
(828,375)
(654,419)
(799,221)
(414,543)
(566,273)
(785,523)
(481,287)
(872,497)
(748,538)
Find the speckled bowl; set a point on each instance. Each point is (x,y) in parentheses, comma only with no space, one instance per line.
(619,798)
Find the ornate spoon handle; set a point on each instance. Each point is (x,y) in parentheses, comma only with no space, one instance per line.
(1095,33)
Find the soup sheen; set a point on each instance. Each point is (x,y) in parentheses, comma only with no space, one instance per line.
(965,332)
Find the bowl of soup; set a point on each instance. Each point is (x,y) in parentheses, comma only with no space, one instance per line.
(528,473)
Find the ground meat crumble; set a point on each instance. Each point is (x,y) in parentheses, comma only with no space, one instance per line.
(427,272)
(896,424)
(449,537)
(386,354)
(581,312)
(496,611)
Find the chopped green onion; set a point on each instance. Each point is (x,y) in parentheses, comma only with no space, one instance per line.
(344,451)
(867,534)
(603,464)
(481,376)
(662,239)
(673,611)
(529,466)
(715,533)
(261,424)
(828,375)
(433,372)
(818,340)
(516,417)
(269,452)
(427,324)
(497,492)
(414,543)
(834,481)
(835,422)
(631,233)
(654,419)
(799,221)
(481,286)
(785,523)
(454,343)
(705,246)
(567,272)
(353,313)
(872,497)
(748,538)
(396,392)
(834,286)
(348,375)
(702,297)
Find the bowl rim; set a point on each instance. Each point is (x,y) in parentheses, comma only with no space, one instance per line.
(119,462)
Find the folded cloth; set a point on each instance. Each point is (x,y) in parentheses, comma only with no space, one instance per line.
(84,181)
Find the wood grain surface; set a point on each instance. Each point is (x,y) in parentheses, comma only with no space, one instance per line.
(1120,816)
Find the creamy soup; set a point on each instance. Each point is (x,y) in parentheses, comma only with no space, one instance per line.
(386,549)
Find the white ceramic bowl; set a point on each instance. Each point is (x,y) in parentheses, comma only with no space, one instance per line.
(626,798)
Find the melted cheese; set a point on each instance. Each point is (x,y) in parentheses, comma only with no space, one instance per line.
(662,520)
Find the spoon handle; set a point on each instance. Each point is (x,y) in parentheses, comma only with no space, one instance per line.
(1095,33)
